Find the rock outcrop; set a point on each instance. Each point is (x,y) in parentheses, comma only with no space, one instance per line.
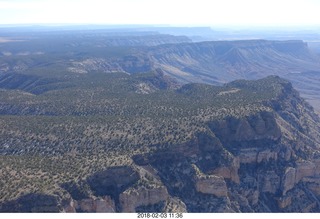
(229,171)
(118,184)
(90,205)
(214,185)
(113,181)
(304,169)
(130,200)
(289,179)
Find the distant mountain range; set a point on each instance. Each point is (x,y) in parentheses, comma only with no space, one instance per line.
(213,62)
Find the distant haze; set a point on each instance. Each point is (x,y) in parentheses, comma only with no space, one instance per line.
(170,12)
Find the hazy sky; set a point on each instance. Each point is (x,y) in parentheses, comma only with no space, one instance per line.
(173,12)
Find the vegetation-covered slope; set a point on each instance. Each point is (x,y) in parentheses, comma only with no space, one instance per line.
(183,146)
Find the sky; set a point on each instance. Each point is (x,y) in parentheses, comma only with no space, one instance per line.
(163,12)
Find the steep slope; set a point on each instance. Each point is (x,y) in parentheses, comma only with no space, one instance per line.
(105,146)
